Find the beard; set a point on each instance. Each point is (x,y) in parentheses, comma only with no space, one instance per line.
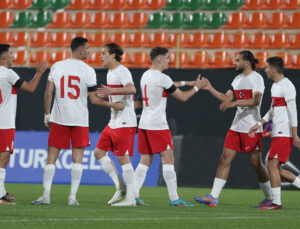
(240,70)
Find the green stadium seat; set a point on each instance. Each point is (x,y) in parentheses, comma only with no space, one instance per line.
(23,19)
(232,5)
(40,4)
(173,5)
(192,4)
(216,20)
(59,4)
(42,19)
(175,21)
(195,21)
(156,20)
(211,5)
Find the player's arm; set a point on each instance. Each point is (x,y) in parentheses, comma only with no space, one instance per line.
(103,103)
(32,84)
(184,83)
(47,102)
(128,89)
(267,118)
(228,96)
(254,101)
(292,113)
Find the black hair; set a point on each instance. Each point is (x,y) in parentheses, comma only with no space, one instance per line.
(116,49)
(158,51)
(277,63)
(78,42)
(4,48)
(247,55)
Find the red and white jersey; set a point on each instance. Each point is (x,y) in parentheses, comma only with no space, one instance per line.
(117,78)
(8,98)
(243,89)
(153,85)
(71,78)
(282,92)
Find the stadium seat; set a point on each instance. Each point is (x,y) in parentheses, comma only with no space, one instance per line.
(6,19)
(173,5)
(99,39)
(20,4)
(276,20)
(20,58)
(294,41)
(236,21)
(6,37)
(126,59)
(175,20)
(296,61)
(157,39)
(211,4)
(138,40)
(42,19)
(196,40)
(137,20)
(5,4)
(278,41)
(198,59)
(121,39)
(256,20)
(140,60)
(259,40)
(22,19)
(183,59)
(262,58)
(20,39)
(40,4)
(82,34)
(252,5)
(39,56)
(171,41)
(76,4)
(221,59)
(273,4)
(40,39)
(98,20)
(291,5)
(96,5)
(60,20)
(59,55)
(59,4)
(238,40)
(116,4)
(154,4)
(60,39)
(117,20)
(287,59)
(231,4)
(192,5)
(195,21)
(79,20)
(156,20)
(216,20)
(217,40)
(294,21)
(134,4)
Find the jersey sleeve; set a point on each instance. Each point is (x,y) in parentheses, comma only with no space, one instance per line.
(165,81)
(289,92)
(258,84)
(125,77)
(13,77)
(91,79)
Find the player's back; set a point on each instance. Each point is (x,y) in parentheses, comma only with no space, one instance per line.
(71,78)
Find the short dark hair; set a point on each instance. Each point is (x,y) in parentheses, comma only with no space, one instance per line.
(116,49)
(158,51)
(4,48)
(247,55)
(78,42)
(277,63)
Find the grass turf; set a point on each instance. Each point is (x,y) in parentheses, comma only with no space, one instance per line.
(235,210)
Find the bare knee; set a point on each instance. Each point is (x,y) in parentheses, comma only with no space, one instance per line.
(99,153)
(167,157)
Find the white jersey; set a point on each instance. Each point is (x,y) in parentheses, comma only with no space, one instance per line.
(120,77)
(153,85)
(243,89)
(282,92)
(8,98)
(71,78)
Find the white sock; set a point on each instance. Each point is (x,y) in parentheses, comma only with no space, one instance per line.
(2,178)
(276,192)
(171,181)
(49,171)
(128,175)
(296,182)
(75,179)
(217,187)
(139,178)
(266,188)
(110,168)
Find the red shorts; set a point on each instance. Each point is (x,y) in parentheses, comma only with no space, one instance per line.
(281,148)
(120,141)
(7,137)
(60,136)
(241,142)
(154,141)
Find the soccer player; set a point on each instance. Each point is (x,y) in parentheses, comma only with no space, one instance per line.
(118,135)
(283,113)
(246,94)
(10,82)
(73,81)
(154,135)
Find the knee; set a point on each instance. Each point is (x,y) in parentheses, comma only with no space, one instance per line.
(224,161)
(99,153)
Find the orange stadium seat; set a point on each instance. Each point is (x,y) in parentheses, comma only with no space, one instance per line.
(217,40)
(117,20)
(287,59)
(79,20)
(6,19)
(126,60)
(157,39)
(135,4)
(171,41)
(238,40)
(121,39)
(116,5)
(138,40)
(60,39)
(5,4)
(183,59)
(292,4)
(96,4)
(296,61)
(256,20)
(82,34)
(273,4)
(252,5)
(195,40)
(278,41)
(137,20)
(276,20)
(20,39)
(294,41)
(154,4)
(38,56)
(294,21)
(40,39)
(6,37)
(20,58)
(199,59)
(262,58)
(140,60)
(60,20)
(235,21)
(20,4)
(258,40)
(221,59)
(59,55)
(99,39)
(98,20)
(76,4)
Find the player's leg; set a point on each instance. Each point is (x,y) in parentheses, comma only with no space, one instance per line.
(4,159)
(290,177)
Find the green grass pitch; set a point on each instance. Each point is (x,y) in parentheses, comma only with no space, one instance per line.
(235,210)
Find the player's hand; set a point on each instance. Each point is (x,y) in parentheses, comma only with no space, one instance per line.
(253,130)
(119,106)
(200,82)
(208,85)
(225,105)
(100,94)
(47,121)
(190,83)
(296,142)
(105,90)
(42,67)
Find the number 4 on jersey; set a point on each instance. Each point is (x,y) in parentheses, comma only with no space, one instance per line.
(70,85)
